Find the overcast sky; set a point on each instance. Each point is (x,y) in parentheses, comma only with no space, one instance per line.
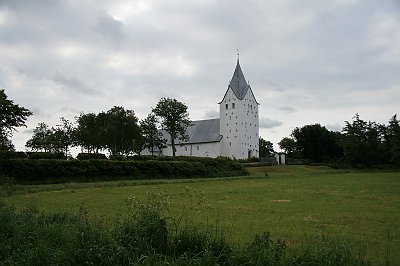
(307,61)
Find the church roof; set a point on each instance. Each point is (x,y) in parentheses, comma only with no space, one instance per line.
(238,83)
(201,131)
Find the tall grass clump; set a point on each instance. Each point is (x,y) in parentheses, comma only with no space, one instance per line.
(323,250)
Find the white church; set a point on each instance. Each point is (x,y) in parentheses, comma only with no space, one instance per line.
(234,134)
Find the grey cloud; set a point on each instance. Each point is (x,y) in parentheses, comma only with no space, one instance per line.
(211,114)
(28,131)
(287,109)
(72,82)
(334,127)
(110,28)
(269,123)
(39,112)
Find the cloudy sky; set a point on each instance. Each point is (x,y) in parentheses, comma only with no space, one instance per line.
(307,61)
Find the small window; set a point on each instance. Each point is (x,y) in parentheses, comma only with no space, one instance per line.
(230,143)
(233,105)
(198,148)
(226,106)
(185,148)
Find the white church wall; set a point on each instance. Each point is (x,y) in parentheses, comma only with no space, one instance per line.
(251,126)
(239,126)
(211,150)
(230,128)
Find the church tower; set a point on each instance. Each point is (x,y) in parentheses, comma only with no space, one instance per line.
(239,119)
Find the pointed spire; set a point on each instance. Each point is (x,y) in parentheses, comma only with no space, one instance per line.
(238,82)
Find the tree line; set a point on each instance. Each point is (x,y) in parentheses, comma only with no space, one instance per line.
(359,143)
(120,132)
(117,130)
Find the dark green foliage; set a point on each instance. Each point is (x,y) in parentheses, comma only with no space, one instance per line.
(361,144)
(5,155)
(90,132)
(91,156)
(288,145)
(122,132)
(266,148)
(316,143)
(45,170)
(42,139)
(174,119)
(54,140)
(11,116)
(151,134)
(45,155)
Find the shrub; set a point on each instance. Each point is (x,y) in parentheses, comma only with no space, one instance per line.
(6,155)
(45,155)
(46,170)
(91,156)
(116,157)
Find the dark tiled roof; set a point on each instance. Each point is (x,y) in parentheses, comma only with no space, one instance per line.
(200,131)
(238,83)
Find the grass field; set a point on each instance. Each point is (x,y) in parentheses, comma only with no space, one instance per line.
(292,202)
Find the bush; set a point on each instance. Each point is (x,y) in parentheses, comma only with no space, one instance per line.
(6,155)
(45,155)
(116,157)
(85,170)
(91,156)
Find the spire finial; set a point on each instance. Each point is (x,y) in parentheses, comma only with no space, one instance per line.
(237,50)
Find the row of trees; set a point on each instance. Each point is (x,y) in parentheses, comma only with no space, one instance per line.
(118,130)
(360,142)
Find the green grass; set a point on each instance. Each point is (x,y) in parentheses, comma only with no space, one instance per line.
(292,202)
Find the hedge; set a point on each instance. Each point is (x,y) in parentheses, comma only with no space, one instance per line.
(91,156)
(46,170)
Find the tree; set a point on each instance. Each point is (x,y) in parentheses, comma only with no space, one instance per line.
(11,116)
(89,133)
(391,140)
(122,132)
(62,136)
(362,142)
(394,140)
(266,148)
(316,143)
(41,139)
(151,134)
(288,145)
(174,119)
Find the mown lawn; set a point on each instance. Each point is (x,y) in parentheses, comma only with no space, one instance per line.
(292,202)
